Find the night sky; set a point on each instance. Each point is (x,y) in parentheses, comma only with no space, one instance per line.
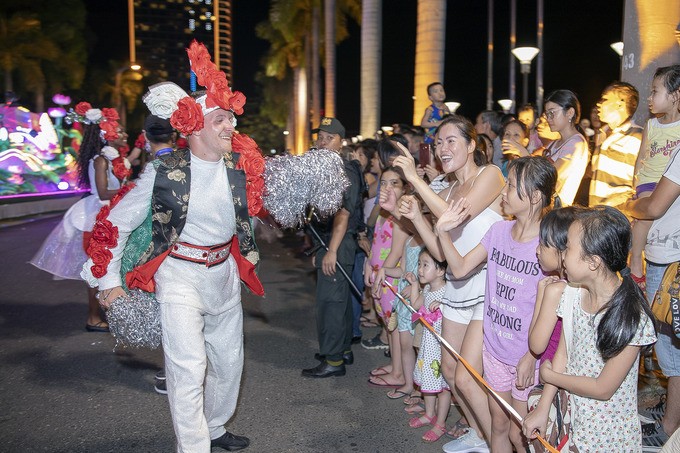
(577,55)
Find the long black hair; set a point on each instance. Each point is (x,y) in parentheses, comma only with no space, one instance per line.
(90,146)
(536,173)
(555,226)
(606,232)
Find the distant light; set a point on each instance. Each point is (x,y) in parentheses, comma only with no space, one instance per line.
(413,97)
(617,47)
(63,185)
(61,99)
(135,67)
(525,54)
(355,140)
(360,137)
(273,151)
(453,106)
(506,104)
(286,132)
(56,112)
(387,129)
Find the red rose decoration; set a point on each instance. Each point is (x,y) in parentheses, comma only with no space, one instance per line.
(98,271)
(110,114)
(252,165)
(120,170)
(110,129)
(237,101)
(103,213)
(82,108)
(188,117)
(101,258)
(200,60)
(182,143)
(105,234)
(141,141)
(124,150)
(218,91)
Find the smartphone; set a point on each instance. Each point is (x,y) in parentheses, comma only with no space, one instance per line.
(424,155)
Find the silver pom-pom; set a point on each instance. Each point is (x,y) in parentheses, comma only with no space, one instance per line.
(135,321)
(292,183)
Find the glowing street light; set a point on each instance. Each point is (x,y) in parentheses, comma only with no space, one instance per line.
(617,47)
(525,55)
(506,104)
(453,106)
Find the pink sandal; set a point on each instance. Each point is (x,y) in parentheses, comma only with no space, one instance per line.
(432,436)
(417,422)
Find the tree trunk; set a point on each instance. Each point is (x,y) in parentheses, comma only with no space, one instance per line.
(329,22)
(316,68)
(371,62)
(430,43)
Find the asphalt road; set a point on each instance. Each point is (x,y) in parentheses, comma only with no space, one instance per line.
(66,390)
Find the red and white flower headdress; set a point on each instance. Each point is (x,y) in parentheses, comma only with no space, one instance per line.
(106,118)
(186,114)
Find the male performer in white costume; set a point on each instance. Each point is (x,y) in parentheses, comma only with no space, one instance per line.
(201,246)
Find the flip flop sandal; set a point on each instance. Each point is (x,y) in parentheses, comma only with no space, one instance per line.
(369,324)
(396,394)
(382,383)
(380,371)
(413,398)
(432,435)
(459,425)
(417,422)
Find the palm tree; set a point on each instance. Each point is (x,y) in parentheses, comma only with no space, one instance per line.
(23,47)
(371,58)
(430,39)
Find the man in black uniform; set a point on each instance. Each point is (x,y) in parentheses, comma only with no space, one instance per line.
(333,302)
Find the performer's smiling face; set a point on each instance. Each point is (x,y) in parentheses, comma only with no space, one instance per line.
(217,131)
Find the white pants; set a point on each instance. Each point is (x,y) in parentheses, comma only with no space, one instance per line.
(202,324)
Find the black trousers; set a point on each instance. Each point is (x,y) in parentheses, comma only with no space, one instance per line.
(334,314)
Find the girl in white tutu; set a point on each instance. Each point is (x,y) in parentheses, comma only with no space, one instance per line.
(101,169)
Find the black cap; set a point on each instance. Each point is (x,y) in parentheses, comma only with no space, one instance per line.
(156,126)
(332,126)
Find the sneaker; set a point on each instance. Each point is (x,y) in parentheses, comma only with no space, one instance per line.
(653,436)
(160,387)
(374,343)
(161,375)
(468,442)
(655,413)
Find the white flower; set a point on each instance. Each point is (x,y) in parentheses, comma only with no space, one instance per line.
(93,115)
(127,163)
(110,152)
(162,99)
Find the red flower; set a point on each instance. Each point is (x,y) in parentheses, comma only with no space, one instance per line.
(101,257)
(120,170)
(103,213)
(252,164)
(110,114)
(110,129)
(120,194)
(237,101)
(188,117)
(124,150)
(141,141)
(82,108)
(201,64)
(105,234)
(182,143)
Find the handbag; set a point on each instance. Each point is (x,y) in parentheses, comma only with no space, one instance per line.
(666,304)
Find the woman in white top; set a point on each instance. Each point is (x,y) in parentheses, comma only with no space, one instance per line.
(63,252)
(569,153)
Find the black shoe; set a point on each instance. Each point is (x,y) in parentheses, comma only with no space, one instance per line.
(356,340)
(230,442)
(347,358)
(324,369)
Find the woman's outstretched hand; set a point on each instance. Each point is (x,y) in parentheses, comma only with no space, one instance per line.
(406,162)
(388,199)
(454,215)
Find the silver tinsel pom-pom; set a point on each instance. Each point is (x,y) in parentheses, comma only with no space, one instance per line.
(134,320)
(292,183)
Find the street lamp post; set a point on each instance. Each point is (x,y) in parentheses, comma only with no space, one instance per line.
(453,106)
(118,102)
(525,55)
(506,104)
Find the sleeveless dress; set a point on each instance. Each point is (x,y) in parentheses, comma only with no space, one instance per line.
(410,265)
(427,373)
(380,248)
(468,292)
(63,254)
